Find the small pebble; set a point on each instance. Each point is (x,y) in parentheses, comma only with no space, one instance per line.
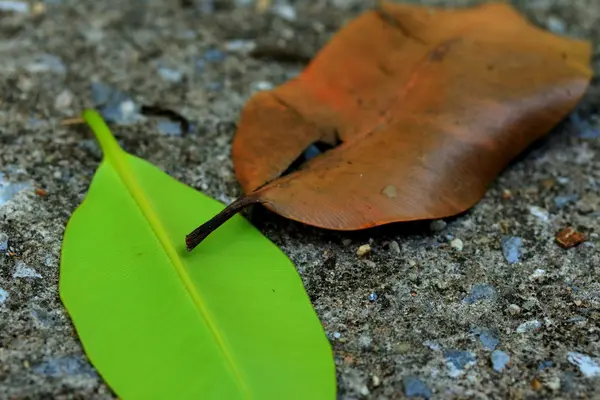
(365,342)
(530,303)
(561,201)
(373,296)
(3,242)
(457,244)
(369,263)
(590,133)
(3,296)
(569,237)
(481,292)
(240,45)
(363,250)
(499,360)
(545,365)
(214,55)
(346,242)
(538,274)
(432,345)
(506,194)
(394,247)
(285,11)
(529,326)
(170,74)
(47,63)
(414,387)
(20,7)
(337,335)
(539,213)
(588,367)
(457,361)
(262,85)
(64,366)
(114,105)
(9,190)
(170,128)
(437,225)
(512,249)
(24,271)
(536,384)
(488,339)
(587,204)
(63,100)
(514,309)
(376,381)
(556,25)
(553,383)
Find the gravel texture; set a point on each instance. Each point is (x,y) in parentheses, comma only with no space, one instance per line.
(504,312)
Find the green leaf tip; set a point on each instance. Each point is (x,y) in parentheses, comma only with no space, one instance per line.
(104,136)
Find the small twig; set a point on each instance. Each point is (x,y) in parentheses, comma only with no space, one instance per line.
(72,121)
(194,238)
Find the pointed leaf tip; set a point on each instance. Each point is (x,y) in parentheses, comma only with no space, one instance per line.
(104,136)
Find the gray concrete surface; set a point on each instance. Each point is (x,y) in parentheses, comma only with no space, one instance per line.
(489,316)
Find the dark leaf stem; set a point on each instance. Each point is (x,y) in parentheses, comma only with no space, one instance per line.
(194,238)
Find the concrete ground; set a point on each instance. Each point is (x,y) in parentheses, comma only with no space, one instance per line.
(485,305)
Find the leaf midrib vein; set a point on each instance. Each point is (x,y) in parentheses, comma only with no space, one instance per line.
(116,157)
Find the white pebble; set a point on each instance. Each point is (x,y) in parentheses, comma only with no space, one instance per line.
(539,213)
(376,381)
(285,11)
(23,271)
(529,326)
(514,309)
(14,6)
(588,367)
(538,274)
(262,85)
(553,383)
(3,296)
(457,244)
(63,100)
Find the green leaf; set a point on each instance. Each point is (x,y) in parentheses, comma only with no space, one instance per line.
(230,320)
